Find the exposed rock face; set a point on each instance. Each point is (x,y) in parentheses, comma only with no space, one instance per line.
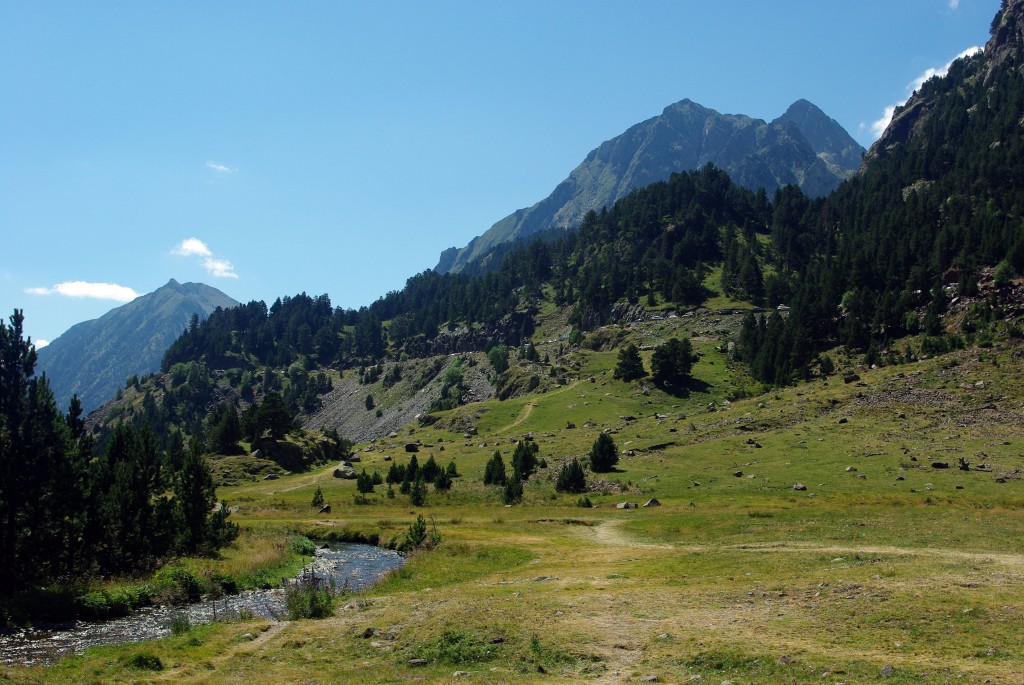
(512,329)
(803,147)
(1004,50)
(92,359)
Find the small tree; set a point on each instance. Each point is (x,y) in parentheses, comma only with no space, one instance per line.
(442,481)
(430,469)
(630,366)
(494,472)
(524,459)
(418,492)
(364,484)
(571,478)
(452,471)
(604,455)
(318,498)
(369,402)
(513,492)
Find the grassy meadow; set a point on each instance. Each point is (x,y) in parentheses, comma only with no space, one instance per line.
(804,535)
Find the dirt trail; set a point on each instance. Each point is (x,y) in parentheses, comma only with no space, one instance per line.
(528,408)
(609,533)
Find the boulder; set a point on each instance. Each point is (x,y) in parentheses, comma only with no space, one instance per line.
(799,487)
(652,502)
(325,509)
(626,505)
(345,472)
(271,476)
(412,447)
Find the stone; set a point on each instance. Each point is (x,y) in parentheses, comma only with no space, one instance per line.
(345,472)
(626,505)
(851,469)
(886,671)
(325,509)
(412,447)
(271,476)
(843,420)
(799,487)
(940,465)
(368,633)
(461,674)
(418,662)
(652,502)
(650,679)
(738,474)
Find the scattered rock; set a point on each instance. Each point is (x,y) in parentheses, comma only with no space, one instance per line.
(799,487)
(843,420)
(345,472)
(886,671)
(738,474)
(851,469)
(784,660)
(497,640)
(325,509)
(412,447)
(940,464)
(652,502)
(271,476)
(418,662)
(626,505)
(650,679)
(368,633)
(461,674)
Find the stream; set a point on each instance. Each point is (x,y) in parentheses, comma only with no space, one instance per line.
(350,567)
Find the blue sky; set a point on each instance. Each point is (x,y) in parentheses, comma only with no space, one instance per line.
(270,148)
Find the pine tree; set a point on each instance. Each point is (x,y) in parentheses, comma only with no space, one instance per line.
(630,365)
(604,454)
(571,478)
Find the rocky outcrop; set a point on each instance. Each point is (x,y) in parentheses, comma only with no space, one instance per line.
(512,329)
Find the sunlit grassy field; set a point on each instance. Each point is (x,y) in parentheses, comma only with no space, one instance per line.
(804,535)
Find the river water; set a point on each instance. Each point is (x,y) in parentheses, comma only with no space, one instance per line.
(350,567)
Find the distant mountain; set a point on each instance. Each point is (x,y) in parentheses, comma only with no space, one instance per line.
(92,359)
(802,147)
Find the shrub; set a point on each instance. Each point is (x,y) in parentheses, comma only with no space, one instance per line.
(144,661)
(309,597)
(303,546)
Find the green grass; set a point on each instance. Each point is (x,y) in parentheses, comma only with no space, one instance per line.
(894,564)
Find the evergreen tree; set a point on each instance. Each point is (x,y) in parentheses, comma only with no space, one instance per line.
(672,361)
(194,498)
(524,459)
(571,478)
(604,454)
(494,472)
(630,365)
(513,491)
(418,492)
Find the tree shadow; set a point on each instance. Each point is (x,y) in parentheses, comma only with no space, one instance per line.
(687,387)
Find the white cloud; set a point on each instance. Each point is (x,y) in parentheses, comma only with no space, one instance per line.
(878,126)
(83,289)
(221,268)
(192,247)
(221,168)
(40,344)
(953,4)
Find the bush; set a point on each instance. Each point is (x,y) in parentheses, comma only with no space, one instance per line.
(604,455)
(584,502)
(310,597)
(303,546)
(144,661)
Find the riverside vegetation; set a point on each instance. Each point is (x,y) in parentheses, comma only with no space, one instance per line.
(820,399)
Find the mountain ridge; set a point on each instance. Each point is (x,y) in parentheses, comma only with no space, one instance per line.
(93,358)
(803,147)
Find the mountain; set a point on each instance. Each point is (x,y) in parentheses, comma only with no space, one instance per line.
(93,358)
(802,147)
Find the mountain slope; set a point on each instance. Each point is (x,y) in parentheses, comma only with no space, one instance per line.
(93,358)
(802,147)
